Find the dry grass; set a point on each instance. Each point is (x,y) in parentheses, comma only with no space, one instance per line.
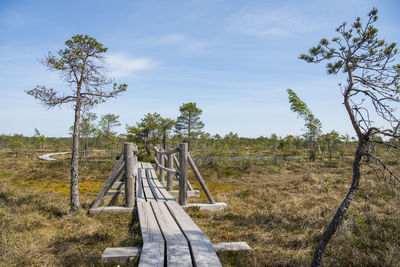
(279,208)
(282,213)
(36,229)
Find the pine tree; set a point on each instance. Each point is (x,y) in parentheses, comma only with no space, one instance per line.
(188,123)
(81,66)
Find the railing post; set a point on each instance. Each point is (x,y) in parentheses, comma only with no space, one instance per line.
(183,170)
(161,160)
(157,155)
(129,170)
(170,175)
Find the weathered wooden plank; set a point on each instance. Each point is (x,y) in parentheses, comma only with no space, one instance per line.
(152,255)
(207,206)
(177,247)
(157,183)
(139,187)
(193,193)
(146,188)
(119,184)
(150,230)
(231,246)
(153,241)
(115,193)
(156,191)
(121,254)
(115,173)
(201,247)
(110,209)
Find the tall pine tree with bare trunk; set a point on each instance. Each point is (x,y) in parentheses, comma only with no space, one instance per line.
(188,123)
(371,94)
(81,66)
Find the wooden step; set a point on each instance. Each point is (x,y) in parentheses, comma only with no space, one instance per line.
(207,206)
(120,254)
(110,209)
(191,193)
(118,185)
(112,193)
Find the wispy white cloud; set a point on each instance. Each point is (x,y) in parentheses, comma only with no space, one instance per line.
(182,41)
(122,66)
(277,22)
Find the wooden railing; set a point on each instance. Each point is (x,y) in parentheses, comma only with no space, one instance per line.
(185,160)
(126,164)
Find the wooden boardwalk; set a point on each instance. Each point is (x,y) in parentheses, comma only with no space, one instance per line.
(170,237)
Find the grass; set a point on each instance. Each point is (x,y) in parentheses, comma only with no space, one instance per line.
(36,229)
(279,209)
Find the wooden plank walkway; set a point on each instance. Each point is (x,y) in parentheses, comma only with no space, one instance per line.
(170,237)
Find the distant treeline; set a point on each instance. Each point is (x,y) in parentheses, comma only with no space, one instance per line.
(203,145)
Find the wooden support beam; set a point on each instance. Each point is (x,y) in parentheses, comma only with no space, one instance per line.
(190,193)
(129,169)
(170,176)
(122,254)
(110,209)
(113,193)
(177,166)
(206,206)
(176,161)
(231,246)
(119,184)
(200,179)
(183,170)
(162,163)
(115,173)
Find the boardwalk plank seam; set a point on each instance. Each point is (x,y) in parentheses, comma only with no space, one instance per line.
(170,237)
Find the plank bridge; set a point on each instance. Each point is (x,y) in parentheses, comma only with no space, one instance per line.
(170,237)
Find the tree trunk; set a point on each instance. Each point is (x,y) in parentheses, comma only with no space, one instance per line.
(86,146)
(312,152)
(164,139)
(320,151)
(338,218)
(75,203)
(189,129)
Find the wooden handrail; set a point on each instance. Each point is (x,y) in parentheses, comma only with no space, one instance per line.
(170,151)
(166,169)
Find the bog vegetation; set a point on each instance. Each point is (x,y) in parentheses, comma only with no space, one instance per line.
(279,201)
(281,191)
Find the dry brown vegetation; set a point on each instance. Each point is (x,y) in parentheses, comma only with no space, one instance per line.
(279,208)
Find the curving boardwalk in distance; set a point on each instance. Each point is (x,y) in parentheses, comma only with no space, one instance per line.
(48,156)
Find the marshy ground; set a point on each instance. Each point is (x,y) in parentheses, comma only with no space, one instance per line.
(280,208)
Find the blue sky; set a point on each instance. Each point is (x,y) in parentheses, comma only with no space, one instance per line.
(235,59)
